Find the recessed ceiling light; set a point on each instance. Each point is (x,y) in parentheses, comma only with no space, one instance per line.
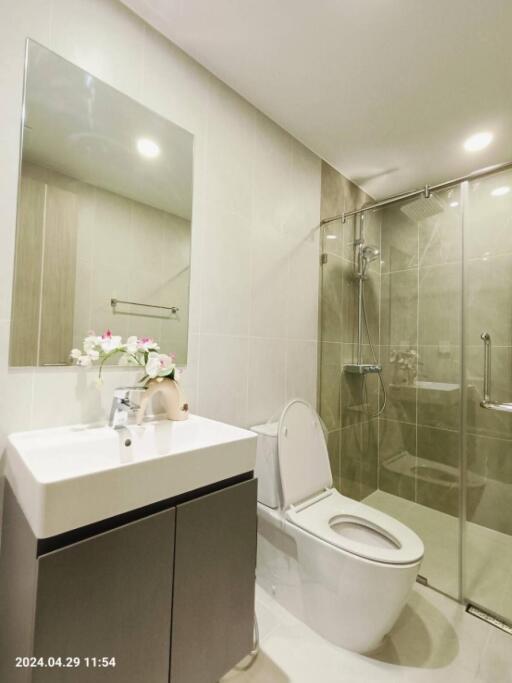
(454,204)
(148,148)
(478,141)
(500,191)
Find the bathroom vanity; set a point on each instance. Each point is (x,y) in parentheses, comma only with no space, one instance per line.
(128,555)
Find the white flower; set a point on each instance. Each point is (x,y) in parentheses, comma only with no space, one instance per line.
(109,342)
(159,365)
(147,344)
(75,354)
(153,365)
(84,361)
(90,342)
(132,344)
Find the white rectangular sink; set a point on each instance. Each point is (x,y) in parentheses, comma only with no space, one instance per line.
(68,477)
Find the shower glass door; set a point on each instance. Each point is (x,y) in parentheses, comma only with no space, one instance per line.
(424,450)
(488,433)
(420,335)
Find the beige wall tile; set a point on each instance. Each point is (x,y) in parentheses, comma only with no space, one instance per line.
(439,304)
(331,299)
(399,308)
(222,378)
(440,236)
(488,291)
(399,241)
(94,34)
(301,374)
(267,379)
(330,377)
(401,394)
(284,183)
(397,457)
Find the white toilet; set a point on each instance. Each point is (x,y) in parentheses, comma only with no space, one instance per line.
(342,567)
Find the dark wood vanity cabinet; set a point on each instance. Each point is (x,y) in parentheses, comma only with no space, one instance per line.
(108,596)
(214,575)
(169,596)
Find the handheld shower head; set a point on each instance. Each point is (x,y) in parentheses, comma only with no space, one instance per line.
(370,253)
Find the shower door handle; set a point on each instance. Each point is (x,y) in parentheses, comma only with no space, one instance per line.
(487,402)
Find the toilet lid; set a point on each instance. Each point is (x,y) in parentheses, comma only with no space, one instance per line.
(303,458)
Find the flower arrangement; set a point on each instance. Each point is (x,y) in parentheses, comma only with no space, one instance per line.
(137,351)
(405,362)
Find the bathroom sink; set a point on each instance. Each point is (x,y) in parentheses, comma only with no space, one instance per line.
(68,477)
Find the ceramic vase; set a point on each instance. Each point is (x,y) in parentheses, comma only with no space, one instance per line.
(176,407)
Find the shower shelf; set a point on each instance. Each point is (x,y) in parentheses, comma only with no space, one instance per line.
(427,392)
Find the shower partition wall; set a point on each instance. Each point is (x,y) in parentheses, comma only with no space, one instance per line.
(435,458)
(487,433)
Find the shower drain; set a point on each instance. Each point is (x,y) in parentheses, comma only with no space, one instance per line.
(489,618)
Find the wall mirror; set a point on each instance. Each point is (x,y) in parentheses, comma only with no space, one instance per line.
(104,217)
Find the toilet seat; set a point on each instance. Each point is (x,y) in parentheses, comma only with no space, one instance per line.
(312,504)
(370,534)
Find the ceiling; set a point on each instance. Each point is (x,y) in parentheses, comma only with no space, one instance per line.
(384,90)
(83,128)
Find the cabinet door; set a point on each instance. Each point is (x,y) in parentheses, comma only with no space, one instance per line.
(108,596)
(214,575)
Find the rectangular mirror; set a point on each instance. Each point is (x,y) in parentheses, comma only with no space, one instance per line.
(104,217)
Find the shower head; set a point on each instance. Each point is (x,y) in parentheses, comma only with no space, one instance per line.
(421,208)
(370,253)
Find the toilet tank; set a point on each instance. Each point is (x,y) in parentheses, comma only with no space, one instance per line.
(267,466)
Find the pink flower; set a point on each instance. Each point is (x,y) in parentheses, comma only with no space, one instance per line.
(159,365)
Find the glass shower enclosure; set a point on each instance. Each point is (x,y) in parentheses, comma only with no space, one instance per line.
(428,445)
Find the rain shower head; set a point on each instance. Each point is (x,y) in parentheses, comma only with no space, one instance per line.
(422,207)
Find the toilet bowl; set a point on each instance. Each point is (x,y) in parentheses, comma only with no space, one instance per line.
(343,568)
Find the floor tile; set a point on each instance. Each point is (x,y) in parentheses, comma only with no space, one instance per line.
(434,641)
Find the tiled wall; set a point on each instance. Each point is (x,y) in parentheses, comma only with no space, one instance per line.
(255,243)
(347,403)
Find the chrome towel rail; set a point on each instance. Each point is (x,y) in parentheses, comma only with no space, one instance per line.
(115,302)
(487,402)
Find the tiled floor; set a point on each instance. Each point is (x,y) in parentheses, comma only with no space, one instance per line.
(434,641)
(488,555)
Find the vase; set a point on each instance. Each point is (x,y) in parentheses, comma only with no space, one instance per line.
(176,407)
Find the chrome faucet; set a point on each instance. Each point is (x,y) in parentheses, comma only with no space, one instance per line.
(122,406)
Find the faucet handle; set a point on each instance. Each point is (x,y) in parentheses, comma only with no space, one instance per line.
(123,393)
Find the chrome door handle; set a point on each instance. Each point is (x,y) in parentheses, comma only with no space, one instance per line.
(487,402)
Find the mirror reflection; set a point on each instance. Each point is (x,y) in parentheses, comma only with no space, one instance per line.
(104,217)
